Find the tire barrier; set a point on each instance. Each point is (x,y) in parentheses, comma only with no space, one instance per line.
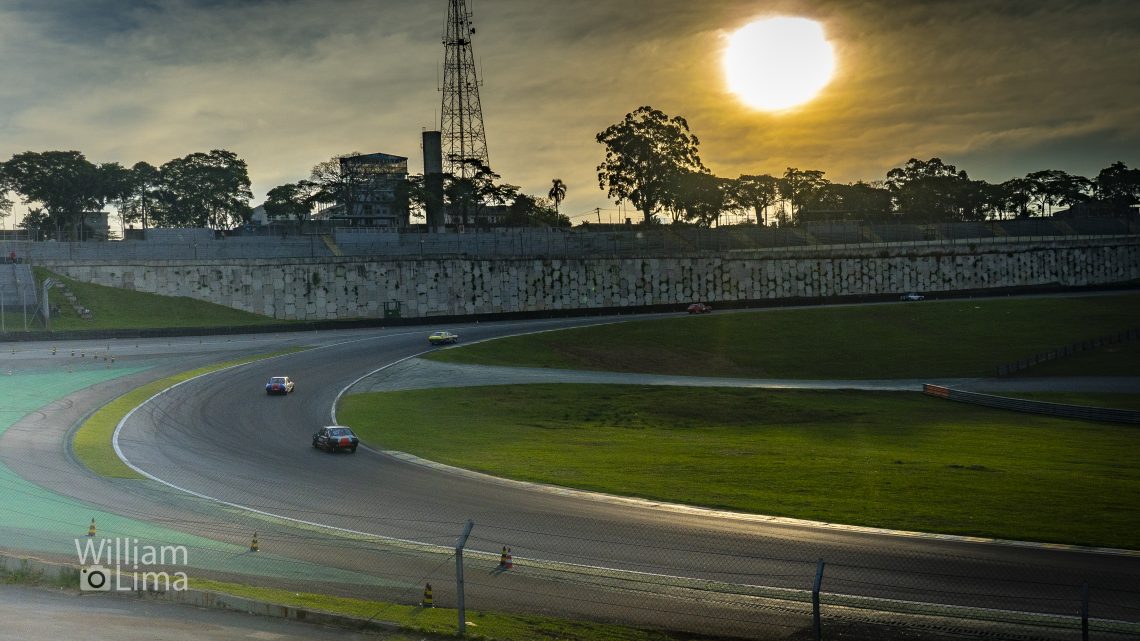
(1082,412)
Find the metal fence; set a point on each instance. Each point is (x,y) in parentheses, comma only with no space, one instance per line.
(1006,369)
(632,240)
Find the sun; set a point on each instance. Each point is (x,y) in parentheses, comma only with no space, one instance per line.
(778,63)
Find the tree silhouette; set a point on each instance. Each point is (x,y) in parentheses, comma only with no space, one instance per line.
(646,155)
(557,192)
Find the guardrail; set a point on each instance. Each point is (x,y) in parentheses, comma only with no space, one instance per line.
(1083,412)
(1006,369)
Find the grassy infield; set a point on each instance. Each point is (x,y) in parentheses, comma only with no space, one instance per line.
(893,460)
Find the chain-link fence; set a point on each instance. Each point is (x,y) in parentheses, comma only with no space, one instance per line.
(173,244)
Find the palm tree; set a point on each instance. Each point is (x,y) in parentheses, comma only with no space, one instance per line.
(557,192)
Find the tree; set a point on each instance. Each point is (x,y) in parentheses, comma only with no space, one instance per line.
(116,186)
(698,196)
(415,191)
(291,201)
(5,202)
(557,192)
(1055,187)
(64,183)
(36,221)
(467,197)
(145,181)
(534,212)
(1014,196)
(928,190)
(206,190)
(859,201)
(1119,186)
(645,156)
(757,193)
(800,186)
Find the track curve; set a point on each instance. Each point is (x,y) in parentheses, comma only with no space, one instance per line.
(220,436)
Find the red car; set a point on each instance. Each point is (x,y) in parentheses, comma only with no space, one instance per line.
(699,308)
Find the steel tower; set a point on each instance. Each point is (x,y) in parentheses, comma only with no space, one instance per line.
(462,114)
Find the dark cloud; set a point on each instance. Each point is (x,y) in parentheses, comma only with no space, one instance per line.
(999,88)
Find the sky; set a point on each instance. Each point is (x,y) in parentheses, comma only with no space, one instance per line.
(999,88)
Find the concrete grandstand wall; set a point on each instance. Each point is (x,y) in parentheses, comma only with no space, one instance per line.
(359,287)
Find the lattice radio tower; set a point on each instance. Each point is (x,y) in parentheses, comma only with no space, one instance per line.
(461,115)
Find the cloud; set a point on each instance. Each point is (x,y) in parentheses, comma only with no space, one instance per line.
(288,83)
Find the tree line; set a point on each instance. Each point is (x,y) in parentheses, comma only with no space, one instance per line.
(61,187)
(652,160)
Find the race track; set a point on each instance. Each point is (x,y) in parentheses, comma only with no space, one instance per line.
(237,451)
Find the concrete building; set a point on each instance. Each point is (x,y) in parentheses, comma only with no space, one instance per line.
(371,193)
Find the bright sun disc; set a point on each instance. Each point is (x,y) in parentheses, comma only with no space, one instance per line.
(778,63)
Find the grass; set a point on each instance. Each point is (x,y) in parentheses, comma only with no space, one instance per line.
(442,621)
(92,441)
(114,308)
(439,622)
(901,340)
(894,460)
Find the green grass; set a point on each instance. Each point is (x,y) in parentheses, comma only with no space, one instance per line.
(895,460)
(443,621)
(114,308)
(92,441)
(899,340)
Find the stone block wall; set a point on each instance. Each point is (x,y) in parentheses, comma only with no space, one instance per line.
(350,287)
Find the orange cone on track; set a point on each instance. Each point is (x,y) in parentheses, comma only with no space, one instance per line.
(510,560)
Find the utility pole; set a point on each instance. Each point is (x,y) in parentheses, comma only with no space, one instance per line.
(462,114)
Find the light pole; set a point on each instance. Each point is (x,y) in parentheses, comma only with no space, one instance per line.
(47,304)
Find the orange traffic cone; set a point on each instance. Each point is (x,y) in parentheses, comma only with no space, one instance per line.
(510,561)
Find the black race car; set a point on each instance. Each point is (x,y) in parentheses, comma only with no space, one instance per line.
(335,438)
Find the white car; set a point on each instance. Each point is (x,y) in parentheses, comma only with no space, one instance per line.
(911,296)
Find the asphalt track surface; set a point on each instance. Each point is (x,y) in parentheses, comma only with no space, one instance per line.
(221,438)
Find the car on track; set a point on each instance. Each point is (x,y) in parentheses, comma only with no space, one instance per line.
(335,438)
(442,338)
(911,297)
(279,385)
(699,308)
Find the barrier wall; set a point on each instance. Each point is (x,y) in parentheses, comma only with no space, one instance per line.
(355,287)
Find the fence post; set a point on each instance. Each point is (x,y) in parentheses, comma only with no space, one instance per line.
(1085,612)
(459,575)
(815,601)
